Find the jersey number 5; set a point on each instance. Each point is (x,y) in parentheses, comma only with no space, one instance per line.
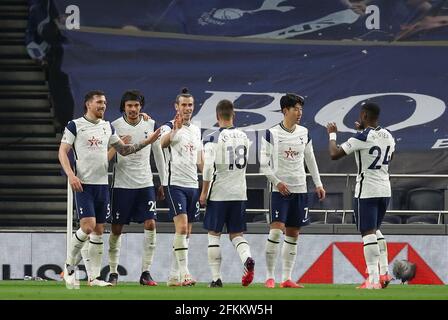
(377,150)
(236,156)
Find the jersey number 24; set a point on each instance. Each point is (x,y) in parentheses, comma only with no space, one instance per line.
(377,150)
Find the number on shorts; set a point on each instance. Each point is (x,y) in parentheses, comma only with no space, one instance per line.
(152,206)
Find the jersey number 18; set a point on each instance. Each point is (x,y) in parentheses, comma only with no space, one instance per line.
(236,156)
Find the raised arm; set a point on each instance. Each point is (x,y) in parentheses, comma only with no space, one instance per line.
(74,181)
(336,152)
(170,138)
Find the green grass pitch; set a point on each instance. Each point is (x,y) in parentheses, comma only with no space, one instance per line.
(55,290)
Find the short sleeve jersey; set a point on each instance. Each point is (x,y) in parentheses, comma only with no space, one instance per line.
(182,155)
(90,143)
(134,171)
(373,150)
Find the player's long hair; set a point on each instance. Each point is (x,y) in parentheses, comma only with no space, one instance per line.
(134,95)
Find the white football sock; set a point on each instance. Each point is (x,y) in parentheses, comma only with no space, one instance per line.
(114,252)
(242,247)
(78,239)
(289,253)
(96,248)
(372,257)
(149,247)
(85,257)
(174,269)
(214,256)
(271,251)
(181,251)
(384,263)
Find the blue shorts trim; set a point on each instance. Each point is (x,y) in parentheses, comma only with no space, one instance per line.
(93,202)
(291,210)
(183,200)
(133,205)
(369,212)
(231,214)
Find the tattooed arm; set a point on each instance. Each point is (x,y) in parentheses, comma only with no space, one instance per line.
(126,149)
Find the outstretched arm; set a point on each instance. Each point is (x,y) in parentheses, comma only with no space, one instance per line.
(126,149)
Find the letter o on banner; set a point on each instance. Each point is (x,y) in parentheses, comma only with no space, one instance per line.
(427,109)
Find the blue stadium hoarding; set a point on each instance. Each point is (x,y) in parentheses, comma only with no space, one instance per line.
(407,81)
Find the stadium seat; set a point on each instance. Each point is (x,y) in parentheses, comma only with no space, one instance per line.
(398,200)
(332,201)
(335,218)
(391,219)
(259,218)
(424,199)
(423,219)
(317,218)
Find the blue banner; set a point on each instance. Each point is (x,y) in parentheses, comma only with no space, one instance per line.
(408,82)
(386,20)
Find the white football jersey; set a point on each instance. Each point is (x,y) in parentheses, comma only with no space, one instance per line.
(373,150)
(134,171)
(183,155)
(225,163)
(284,154)
(90,143)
